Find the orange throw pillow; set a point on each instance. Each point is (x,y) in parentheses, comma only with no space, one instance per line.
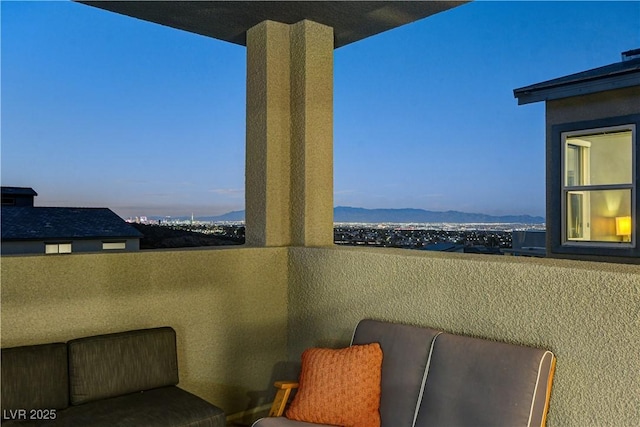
(339,387)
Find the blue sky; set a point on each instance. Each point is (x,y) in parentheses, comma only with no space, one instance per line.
(100,109)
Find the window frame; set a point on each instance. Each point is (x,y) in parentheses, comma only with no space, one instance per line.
(558,191)
(586,187)
(108,245)
(584,164)
(57,245)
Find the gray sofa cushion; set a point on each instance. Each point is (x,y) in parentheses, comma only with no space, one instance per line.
(405,356)
(35,377)
(161,407)
(475,382)
(110,365)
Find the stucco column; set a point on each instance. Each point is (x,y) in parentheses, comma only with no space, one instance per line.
(289,154)
(312,134)
(267,166)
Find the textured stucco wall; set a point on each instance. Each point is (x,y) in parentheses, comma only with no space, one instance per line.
(587,313)
(228,307)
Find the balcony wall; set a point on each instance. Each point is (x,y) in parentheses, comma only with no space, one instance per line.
(237,324)
(228,307)
(587,313)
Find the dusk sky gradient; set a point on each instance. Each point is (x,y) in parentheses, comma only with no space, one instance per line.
(104,110)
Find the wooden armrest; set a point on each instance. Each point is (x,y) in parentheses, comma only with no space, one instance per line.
(282,397)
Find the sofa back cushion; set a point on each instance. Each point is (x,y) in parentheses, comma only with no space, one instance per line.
(114,364)
(405,352)
(476,382)
(34,377)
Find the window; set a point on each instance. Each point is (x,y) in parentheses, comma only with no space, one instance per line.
(598,185)
(109,246)
(594,203)
(57,248)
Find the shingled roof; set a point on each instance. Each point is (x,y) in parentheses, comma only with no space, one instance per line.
(45,223)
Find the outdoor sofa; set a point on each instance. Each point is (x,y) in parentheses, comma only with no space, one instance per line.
(431,378)
(125,379)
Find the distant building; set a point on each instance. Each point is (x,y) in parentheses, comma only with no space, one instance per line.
(527,243)
(27,229)
(593,119)
(18,196)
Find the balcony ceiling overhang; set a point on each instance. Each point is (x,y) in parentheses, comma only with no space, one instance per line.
(230,20)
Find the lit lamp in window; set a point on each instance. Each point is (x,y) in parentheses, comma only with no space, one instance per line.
(623,227)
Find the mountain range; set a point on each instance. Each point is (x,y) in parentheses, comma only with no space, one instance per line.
(375,216)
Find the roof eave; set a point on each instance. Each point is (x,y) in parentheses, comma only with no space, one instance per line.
(528,95)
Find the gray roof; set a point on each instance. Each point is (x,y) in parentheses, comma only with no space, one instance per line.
(230,20)
(615,76)
(44,223)
(444,247)
(18,191)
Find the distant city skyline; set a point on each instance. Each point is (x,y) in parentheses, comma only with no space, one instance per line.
(103,110)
